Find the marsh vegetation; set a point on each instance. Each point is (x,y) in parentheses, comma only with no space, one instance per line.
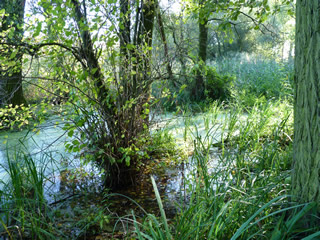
(139,120)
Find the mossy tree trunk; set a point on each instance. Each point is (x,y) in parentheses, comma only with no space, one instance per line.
(306,149)
(11,74)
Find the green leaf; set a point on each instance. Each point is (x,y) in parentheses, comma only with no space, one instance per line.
(94,70)
(13,54)
(127,159)
(70,133)
(247,224)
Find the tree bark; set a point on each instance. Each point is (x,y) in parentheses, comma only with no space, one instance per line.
(124,33)
(164,42)
(145,39)
(92,64)
(199,87)
(180,49)
(306,146)
(11,77)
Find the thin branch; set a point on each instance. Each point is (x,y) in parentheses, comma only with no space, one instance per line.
(33,49)
(257,23)
(222,20)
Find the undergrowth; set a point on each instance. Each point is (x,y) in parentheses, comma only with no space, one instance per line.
(257,78)
(247,194)
(238,184)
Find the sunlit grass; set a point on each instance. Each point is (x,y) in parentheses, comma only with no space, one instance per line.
(258,78)
(247,193)
(237,185)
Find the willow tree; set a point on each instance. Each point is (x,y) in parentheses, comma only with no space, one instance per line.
(306,149)
(123,101)
(110,80)
(11,34)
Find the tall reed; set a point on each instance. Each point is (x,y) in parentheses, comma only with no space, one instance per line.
(25,212)
(245,195)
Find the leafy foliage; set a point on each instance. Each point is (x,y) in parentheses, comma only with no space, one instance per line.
(98,62)
(218,87)
(15,117)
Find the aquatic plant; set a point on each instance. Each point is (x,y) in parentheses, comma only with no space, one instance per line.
(25,212)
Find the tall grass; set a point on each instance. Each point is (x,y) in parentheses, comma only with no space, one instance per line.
(243,78)
(24,210)
(246,195)
(257,77)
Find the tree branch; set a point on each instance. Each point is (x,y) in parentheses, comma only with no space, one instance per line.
(33,49)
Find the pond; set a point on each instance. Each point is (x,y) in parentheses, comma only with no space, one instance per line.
(46,146)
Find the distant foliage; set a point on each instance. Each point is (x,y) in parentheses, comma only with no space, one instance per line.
(217,85)
(242,78)
(258,78)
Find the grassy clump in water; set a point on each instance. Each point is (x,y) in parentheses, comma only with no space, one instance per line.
(246,195)
(24,210)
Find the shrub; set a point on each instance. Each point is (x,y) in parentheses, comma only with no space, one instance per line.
(218,86)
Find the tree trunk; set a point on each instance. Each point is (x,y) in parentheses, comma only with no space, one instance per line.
(164,41)
(92,64)
(145,39)
(306,146)
(118,174)
(180,49)
(11,77)
(199,87)
(124,121)
(124,32)
(290,57)
(219,44)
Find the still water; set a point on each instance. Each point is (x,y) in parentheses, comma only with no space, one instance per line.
(47,146)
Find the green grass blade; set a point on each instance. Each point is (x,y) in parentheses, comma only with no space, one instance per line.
(247,225)
(7,230)
(312,236)
(298,216)
(163,214)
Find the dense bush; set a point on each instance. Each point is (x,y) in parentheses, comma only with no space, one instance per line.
(218,86)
